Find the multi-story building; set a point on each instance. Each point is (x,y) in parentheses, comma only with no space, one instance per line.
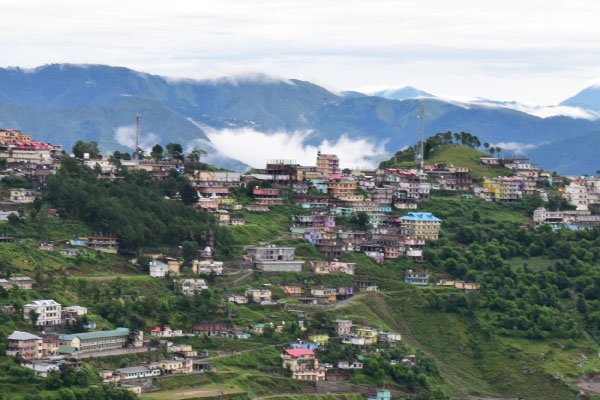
(190,286)
(504,189)
(333,267)
(107,244)
(576,194)
(47,312)
(23,196)
(207,267)
(421,225)
(342,189)
(303,364)
(274,258)
(267,196)
(420,278)
(25,345)
(261,296)
(87,342)
(343,326)
(327,164)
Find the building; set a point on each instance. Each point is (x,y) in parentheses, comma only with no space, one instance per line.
(87,342)
(267,196)
(303,364)
(350,364)
(237,299)
(207,267)
(23,196)
(22,282)
(343,326)
(173,366)
(333,267)
(25,345)
(158,269)
(261,296)
(165,331)
(106,244)
(420,278)
(136,373)
(274,258)
(211,329)
(47,312)
(421,225)
(327,164)
(381,395)
(294,291)
(190,287)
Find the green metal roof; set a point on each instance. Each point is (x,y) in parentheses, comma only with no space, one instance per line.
(95,335)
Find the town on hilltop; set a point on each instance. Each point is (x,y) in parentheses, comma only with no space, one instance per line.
(158,274)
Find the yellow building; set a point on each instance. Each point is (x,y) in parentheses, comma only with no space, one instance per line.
(421,225)
(319,338)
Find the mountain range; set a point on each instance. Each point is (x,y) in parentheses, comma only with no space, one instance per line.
(61,103)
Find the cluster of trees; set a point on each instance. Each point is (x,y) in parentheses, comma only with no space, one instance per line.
(433,142)
(132,208)
(558,299)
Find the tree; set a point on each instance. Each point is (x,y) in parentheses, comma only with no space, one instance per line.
(13,219)
(196,155)
(80,148)
(188,194)
(174,151)
(157,152)
(189,251)
(33,317)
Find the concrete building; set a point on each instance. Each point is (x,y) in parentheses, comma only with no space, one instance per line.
(48,312)
(97,341)
(327,164)
(274,259)
(189,287)
(303,364)
(421,225)
(24,344)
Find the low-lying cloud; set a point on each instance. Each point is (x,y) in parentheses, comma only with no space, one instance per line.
(516,147)
(256,148)
(125,136)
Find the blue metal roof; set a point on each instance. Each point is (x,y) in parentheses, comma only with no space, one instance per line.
(420,216)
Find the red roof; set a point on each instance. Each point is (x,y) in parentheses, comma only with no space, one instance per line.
(299,352)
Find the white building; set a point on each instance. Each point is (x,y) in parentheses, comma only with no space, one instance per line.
(189,287)
(23,196)
(158,269)
(48,312)
(207,267)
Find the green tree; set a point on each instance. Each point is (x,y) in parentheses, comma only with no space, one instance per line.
(174,151)
(189,251)
(80,148)
(157,152)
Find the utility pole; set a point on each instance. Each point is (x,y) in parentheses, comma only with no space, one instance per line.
(420,153)
(138,118)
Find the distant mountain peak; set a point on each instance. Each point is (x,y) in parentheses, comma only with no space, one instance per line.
(588,98)
(403,93)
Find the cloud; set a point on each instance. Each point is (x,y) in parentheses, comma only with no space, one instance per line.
(125,136)
(516,147)
(256,148)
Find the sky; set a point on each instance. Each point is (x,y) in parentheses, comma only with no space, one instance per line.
(537,52)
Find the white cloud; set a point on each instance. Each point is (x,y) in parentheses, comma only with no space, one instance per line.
(533,51)
(125,136)
(516,147)
(256,148)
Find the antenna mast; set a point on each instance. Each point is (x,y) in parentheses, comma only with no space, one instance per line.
(420,153)
(138,117)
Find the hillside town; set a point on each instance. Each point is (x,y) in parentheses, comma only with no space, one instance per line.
(340,213)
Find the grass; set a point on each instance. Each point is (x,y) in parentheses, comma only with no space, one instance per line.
(193,392)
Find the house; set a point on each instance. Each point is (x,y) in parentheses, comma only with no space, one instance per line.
(190,286)
(350,365)
(165,331)
(420,278)
(381,395)
(421,225)
(46,312)
(332,267)
(97,341)
(70,314)
(267,196)
(24,344)
(174,366)
(327,164)
(303,345)
(292,290)
(274,258)
(182,350)
(260,296)
(136,373)
(207,267)
(388,337)
(367,333)
(211,329)
(23,196)
(243,336)
(174,265)
(237,299)
(106,244)
(158,269)
(303,364)
(319,338)
(310,301)
(343,326)
(458,284)
(41,369)
(22,282)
